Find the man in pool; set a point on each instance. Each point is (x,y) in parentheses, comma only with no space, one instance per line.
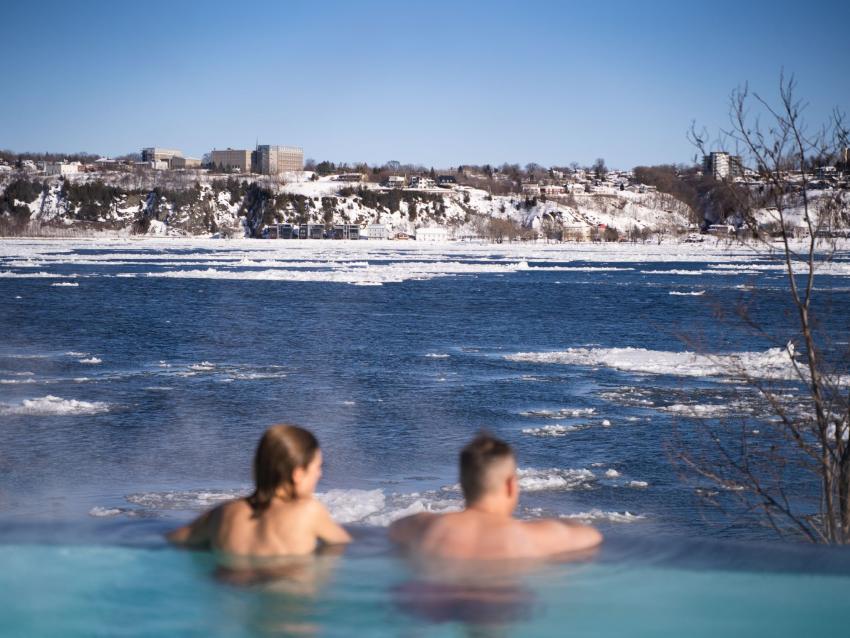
(486,528)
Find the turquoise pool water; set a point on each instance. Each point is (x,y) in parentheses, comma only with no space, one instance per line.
(664,589)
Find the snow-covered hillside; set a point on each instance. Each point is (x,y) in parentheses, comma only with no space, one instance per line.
(204,205)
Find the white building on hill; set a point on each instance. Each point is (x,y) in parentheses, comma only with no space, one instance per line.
(62,168)
(378,231)
(432,234)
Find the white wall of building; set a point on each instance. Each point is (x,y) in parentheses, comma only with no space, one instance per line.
(431,234)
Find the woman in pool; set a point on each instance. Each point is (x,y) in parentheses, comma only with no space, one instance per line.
(281,517)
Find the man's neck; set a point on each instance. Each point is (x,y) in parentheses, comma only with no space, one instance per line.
(492,507)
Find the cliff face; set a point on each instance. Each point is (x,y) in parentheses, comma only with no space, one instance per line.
(237,207)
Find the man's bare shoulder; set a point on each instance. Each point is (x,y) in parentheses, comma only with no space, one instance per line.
(554,536)
(408,529)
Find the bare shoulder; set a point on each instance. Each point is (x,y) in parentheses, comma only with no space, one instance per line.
(233,509)
(555,536)
(410,528)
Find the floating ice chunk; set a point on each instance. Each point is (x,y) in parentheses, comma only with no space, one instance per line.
(50,405)
(534,480)
(101,512)
(612,473)
(91,361)
(437,355)
(203,366)
(774,363)
(65,284)
(693,293)
(606,423)
(350,506)
(610,517)
(563,413)
(8,274)
(555,430)
(700,411)
(184,500)
(638,484)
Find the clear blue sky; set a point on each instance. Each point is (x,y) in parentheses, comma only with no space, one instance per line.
(436,83)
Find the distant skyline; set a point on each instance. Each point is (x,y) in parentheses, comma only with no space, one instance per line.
(433,83)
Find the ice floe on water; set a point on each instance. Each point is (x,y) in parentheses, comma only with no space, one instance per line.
(347,273)
(203,366)
(637,484)
(53,406)
(437,355)
(104,512)
(554,430)
(538,480)
(697,273)
(692,293)
(704,411)
(563,413)
(774,363)
(9,274)
(597,515)
(374,507)
(366,507)
(65,284)
(27,380)
(91,360)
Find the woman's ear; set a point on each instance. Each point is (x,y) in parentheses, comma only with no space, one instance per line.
(298,475)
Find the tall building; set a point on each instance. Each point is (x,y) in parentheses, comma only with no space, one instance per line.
(274,160)
(230,159)
(721,165)
(155,154)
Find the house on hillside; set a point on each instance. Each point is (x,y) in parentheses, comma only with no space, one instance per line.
(393,181)
(530,189)
(432,234)
(551,190)
(420,181)
(446,181)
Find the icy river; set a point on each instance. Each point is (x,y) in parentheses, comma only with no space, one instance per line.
(136,376)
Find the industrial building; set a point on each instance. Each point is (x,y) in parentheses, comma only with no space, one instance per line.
(232,159)
(155,154)
(177,162)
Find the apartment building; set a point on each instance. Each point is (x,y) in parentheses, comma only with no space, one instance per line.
(722,165)
(274,160)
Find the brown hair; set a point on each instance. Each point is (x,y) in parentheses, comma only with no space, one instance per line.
(476,459)
(282,449)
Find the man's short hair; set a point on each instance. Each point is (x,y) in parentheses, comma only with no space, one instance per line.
(476,460)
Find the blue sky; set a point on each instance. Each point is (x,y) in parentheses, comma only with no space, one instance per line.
(436,83)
